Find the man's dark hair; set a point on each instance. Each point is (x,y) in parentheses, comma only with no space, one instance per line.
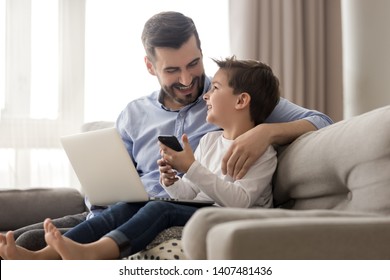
(167,29)
(258,80)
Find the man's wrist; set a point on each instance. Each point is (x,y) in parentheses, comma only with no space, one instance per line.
(268,132)
(285,133)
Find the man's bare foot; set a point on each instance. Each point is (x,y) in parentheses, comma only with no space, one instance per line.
(10,251)
(65,247)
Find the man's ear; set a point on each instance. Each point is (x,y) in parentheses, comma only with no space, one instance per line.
(243,100)
(149,66)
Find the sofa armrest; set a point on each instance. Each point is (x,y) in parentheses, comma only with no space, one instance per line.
(301,238)
(19,208)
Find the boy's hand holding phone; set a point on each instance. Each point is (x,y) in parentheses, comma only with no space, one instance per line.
(179,160)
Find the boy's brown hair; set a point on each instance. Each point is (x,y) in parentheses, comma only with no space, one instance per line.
(258,80)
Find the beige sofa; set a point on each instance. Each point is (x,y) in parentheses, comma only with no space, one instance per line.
(332,194)
(331,190)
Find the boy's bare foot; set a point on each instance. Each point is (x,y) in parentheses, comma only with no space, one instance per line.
(10,251)
(65,247)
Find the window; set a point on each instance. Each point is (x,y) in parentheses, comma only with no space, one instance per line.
(36,107)
(44,60)
(70,62)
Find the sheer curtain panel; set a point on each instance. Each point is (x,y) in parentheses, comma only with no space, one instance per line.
(43,92)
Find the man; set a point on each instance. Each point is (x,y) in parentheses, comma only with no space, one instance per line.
(174,56)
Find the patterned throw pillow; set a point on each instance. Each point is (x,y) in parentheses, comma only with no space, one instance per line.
(166,246)
(167,250)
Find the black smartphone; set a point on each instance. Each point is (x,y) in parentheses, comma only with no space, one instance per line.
(170,141)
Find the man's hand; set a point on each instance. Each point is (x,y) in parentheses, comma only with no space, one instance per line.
(251,145)
(244,151)
(168,176)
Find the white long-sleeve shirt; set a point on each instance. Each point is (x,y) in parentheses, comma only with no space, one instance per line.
(204,179)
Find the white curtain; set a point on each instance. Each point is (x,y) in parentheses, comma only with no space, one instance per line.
(300,40)
(30,151)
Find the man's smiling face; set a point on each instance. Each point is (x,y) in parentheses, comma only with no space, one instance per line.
(180,73)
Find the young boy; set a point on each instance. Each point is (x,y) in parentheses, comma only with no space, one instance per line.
(242,95)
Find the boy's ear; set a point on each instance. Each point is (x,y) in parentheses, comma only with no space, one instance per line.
(243,100)
(149,66)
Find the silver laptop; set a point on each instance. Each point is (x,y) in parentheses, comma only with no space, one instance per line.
(105,170)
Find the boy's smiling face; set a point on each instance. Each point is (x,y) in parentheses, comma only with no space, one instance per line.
(220,100)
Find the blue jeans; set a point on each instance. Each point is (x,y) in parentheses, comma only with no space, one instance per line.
(132,225)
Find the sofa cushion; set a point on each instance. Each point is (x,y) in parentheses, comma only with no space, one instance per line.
(344,166)
(19,208)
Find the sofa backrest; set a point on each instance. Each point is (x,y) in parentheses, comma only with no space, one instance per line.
(345,166)
(19,208)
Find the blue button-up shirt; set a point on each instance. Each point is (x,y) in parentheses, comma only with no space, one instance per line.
(144,119)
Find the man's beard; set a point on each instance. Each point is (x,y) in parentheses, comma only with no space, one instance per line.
(169,92)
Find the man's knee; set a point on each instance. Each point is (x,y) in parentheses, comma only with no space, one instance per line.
(32,240)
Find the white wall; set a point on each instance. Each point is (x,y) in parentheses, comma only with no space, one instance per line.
(366,55)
